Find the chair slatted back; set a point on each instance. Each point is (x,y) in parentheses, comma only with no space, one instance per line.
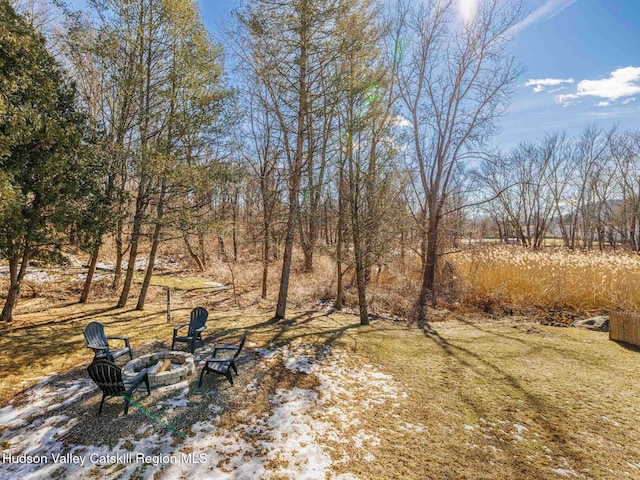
(240,345)
(94,333)
(108,376)
(197,319)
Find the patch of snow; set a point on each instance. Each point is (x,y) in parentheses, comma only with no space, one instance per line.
(266,353)
(252,386)
(520,428)
(288,441)
(140,264)
(361,440)
(37,276)
(41,399)
(613,422)
(564,472)
(296,365)
(178,402)
(410,427)
(82,277)
(468,427)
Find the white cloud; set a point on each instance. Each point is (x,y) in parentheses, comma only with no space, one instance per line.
(623,82)
(539,84)
(549,10)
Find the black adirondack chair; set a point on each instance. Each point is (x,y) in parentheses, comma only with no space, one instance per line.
(223,366)
(108,376)
(196,325)
(99,343)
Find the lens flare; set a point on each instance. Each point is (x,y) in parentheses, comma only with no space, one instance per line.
(152,417)
(467,10)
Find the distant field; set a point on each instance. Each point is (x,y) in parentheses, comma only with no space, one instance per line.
(557,279)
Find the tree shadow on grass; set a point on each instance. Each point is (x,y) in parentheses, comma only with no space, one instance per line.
(557,433)
(565,352)
(93,312)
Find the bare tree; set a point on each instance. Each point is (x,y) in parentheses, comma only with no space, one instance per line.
(264,157)
(289,46)
(455,78)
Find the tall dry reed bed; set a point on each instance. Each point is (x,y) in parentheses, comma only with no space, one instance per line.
(553,278)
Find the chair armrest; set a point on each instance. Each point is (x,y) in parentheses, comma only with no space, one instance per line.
(175,329)
(124,339)
(200,329)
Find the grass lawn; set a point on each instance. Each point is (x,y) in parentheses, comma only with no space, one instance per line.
(318,396)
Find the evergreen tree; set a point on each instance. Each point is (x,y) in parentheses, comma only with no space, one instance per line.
(46,167)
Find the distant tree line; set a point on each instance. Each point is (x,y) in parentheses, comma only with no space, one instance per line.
(583,190)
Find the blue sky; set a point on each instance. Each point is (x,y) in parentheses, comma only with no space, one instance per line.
(582,63)
(584,55)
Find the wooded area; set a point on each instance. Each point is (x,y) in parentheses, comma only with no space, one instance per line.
(338,125)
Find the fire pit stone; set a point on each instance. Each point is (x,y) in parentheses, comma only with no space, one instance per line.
(182,365)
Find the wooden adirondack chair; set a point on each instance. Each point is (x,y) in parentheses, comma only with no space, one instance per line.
(196,325)
(223,366)
(108,376)
(99,343)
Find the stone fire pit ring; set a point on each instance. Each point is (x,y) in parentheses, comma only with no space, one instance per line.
(182,366)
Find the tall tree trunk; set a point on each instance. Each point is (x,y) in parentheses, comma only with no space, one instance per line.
(296,168)
(307,251)
(136,233)
(84,296)
(117,272)
(429,275)
(155,242)
(202,251)
(16,275)
(144,187)
(194,256)
(287,257)
(339,303)
(355,205)
(266,247)
(234,224)
(358,247)
(361,282)
(265,267)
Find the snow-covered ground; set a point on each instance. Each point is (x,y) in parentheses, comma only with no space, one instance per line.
(299,437)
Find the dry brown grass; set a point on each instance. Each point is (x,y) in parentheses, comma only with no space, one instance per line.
(474,384)
(551,279)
